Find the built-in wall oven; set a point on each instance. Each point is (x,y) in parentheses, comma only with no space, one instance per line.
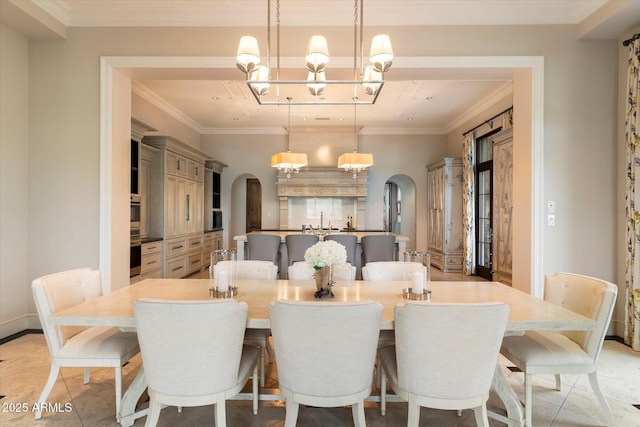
(135,254)
(135,211)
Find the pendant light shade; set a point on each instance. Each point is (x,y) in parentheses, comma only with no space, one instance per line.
(248,55)
(355,162)
(287,161)
(317,54)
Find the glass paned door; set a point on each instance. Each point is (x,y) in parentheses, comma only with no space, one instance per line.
(484,207)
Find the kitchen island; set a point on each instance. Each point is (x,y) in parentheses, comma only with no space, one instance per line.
(241,240)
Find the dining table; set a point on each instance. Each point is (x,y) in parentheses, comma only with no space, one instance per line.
(526,313)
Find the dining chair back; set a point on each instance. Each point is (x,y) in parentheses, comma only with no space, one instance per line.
(297,245)
(566,352)
(248,269)
(193,355)
(445,356)
(391,270)
(325,353)
(378,248)
(349,241)
(78,346)
(252,270)
(264,247)
(302,271)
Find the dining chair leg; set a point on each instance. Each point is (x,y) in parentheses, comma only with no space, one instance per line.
(482,420)
(528,399)
(53,376)
(261,366)
(118,382)
(558,382)
(357,410)
(413,416)
(220,413)
(593,379)
(153,415)
(291,416)
(383,393)
(254,385)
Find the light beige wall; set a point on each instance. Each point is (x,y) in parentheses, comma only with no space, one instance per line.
(580,128)
(15,292)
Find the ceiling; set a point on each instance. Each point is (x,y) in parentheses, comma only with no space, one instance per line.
(408,105)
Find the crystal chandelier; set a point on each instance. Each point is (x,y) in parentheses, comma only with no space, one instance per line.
(363,89)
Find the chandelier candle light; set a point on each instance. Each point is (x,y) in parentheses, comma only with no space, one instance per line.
(322,256)
(367,81)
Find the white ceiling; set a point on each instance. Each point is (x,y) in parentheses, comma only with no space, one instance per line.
(408,106)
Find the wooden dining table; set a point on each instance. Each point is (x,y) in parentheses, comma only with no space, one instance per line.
(526,313)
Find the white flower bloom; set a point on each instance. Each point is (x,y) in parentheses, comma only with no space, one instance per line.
(326,252)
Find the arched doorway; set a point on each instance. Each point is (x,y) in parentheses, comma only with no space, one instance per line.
(239,216)
(400,208)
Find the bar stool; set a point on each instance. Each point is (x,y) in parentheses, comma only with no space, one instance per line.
(264,247)
(349,241)
(297,245)
(378,248)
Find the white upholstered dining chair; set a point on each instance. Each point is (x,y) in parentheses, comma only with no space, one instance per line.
(391,270)
(380,271)
(252,270)
(325,353)
(300,270)
(193,354)
(79,346)
(445,356)
(566,352)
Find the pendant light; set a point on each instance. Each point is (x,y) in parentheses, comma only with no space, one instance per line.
(355,162)
(286,161)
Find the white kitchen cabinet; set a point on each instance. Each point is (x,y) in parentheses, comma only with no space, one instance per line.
(151,265)
(444,214)
(177,193)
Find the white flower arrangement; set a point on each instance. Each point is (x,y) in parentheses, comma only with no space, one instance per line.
(325,252)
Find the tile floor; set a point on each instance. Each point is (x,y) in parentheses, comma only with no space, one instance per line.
(24,367)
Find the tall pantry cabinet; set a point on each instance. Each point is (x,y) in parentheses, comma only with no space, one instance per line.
(444,218)
(176,203)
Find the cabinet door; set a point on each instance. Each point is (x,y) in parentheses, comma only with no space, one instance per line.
(176,207)
(145,178)
(190,210)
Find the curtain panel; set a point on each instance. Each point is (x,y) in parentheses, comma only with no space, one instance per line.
(468,204)
(632,133)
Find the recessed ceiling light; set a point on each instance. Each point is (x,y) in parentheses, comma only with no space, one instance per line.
(410,119)
(215,98)
(236,119)
(429,98)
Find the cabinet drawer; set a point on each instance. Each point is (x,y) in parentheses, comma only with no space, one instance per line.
(175,247)
(151,248)
(176,267)
(194,262)
(151,262)
(208,237)
(195,243)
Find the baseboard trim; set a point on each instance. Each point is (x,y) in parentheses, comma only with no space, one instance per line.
(19,334)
